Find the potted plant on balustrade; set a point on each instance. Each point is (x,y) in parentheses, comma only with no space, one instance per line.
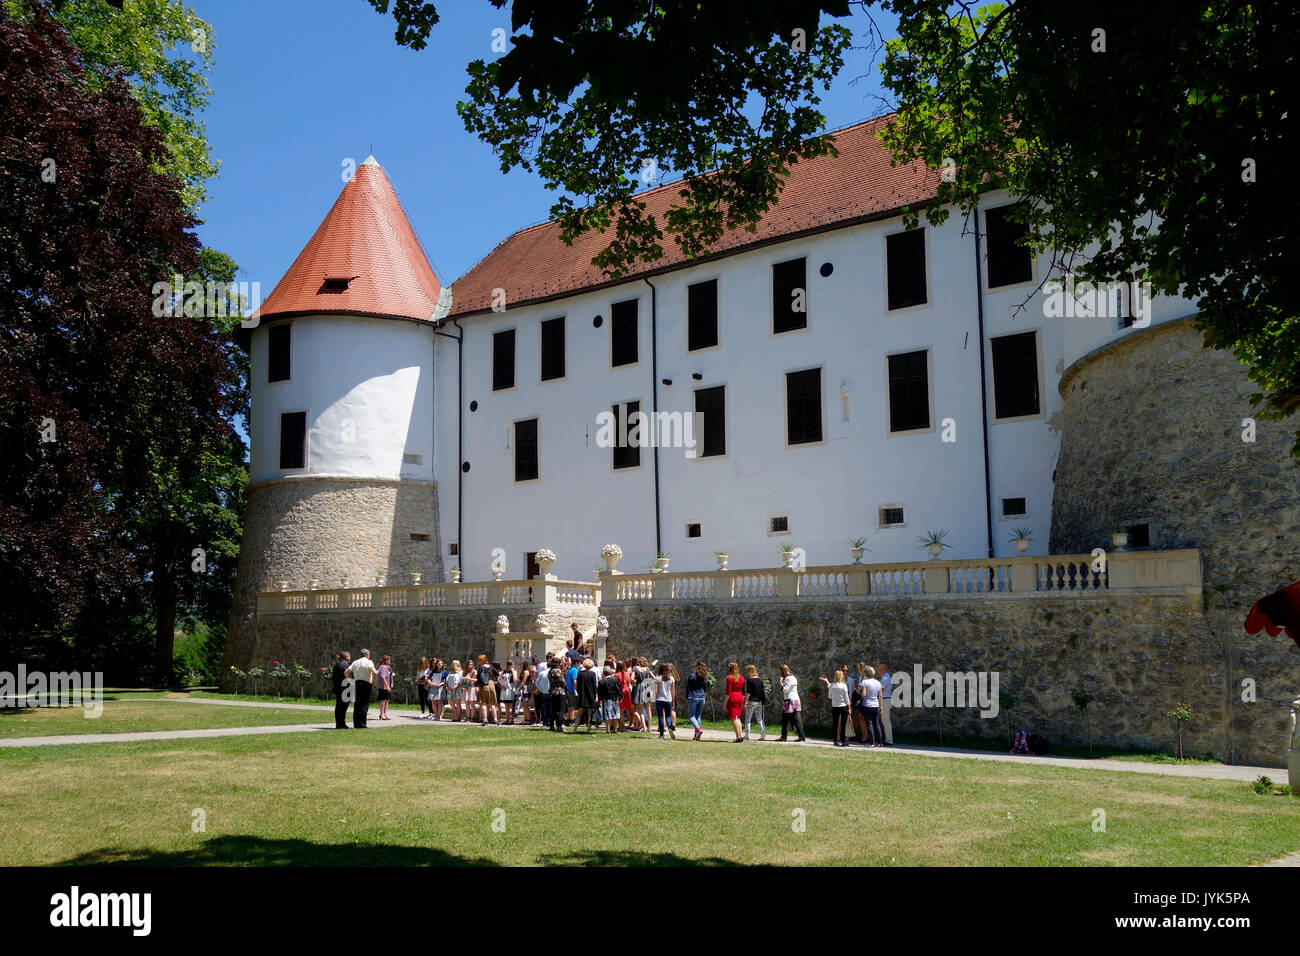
(721,557)
(455,574)
(545,559)
(1119,537)
(933,541)
(346,579)
(498,570)
(380,576)
(417,575)
(787,554)
(857,546)
(661,561)
(611,553)
(1022,537)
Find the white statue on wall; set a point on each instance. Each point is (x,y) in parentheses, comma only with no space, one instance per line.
(503,624)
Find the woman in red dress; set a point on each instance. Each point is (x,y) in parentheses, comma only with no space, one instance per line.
(735,698)
(625,702)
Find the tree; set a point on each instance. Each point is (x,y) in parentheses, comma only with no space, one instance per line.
(605,98)
(99,396)
(166,52)
(1149,141)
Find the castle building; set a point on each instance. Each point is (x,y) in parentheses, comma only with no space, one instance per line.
(831,375)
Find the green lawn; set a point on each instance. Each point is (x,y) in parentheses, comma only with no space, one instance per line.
(128,712)
(429,795)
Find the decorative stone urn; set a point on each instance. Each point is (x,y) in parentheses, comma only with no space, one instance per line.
(1119,540)
(935,550)
(661,565)
(314,583)
(857,554)
(611,554)
(498,571)
(503,624)
(417,577)
(282,584)
(545,559)
(379,580)
(455,575)
(722,557)
(1022,544)
(346,581)
(787,558)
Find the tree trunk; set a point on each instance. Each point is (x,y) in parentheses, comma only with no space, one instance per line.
(164,602)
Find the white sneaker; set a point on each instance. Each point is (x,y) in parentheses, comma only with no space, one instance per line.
(672,732)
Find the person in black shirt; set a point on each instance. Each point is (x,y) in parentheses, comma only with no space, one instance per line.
(610,692)
(339,682)
(755,701)
(586,686)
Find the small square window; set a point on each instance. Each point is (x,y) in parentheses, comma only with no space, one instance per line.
(409,459)
(420,536)
(1013,507)
(693,530)
(778,524)
(891,515)
(453,549)
(1139,535)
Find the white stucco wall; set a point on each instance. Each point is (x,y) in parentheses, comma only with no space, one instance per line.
(367,387)
(831,491)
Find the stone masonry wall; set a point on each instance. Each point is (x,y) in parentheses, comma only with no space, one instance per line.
(301,529)
(1152,432)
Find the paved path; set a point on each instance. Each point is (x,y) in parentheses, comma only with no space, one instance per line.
(403,718)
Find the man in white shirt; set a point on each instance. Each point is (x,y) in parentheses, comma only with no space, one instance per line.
(886,692)
(362,673)
(543,685)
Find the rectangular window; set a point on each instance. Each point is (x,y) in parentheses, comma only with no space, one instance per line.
(702,315)
(905,268)
(1013,507)
(1009,261)
(1139,535)
(711,412)
(909,391)
(627,451)
(278,363)
(553,349)
(1015,375)
(778,524)
(891,515)
(693,529)
(803,404)
(503,360)
(526,450)
(293,440)
(790,296)
(410,459)
(420,536)
(623,322)
(453,549)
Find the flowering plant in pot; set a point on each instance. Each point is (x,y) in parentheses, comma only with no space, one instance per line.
(611,553)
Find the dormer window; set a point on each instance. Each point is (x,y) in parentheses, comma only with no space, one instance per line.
(336,284)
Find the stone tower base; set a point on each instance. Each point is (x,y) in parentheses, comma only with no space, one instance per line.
(302,529)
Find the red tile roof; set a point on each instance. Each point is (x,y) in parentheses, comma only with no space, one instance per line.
(534,264)
(366,240)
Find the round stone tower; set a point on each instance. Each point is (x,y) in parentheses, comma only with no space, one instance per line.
(341,479)
(1157,434)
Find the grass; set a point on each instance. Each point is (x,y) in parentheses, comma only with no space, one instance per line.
(430,795)
(126,712)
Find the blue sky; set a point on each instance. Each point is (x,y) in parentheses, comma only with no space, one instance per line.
(300,86)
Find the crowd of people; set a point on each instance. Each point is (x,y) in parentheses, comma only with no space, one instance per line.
(571,690)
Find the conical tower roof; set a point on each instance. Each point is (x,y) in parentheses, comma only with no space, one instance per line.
(364,259)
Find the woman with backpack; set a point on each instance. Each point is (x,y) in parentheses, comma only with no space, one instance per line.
(487,691)
(696,686)
(665,699)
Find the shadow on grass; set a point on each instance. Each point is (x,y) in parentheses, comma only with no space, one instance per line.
(256,851)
